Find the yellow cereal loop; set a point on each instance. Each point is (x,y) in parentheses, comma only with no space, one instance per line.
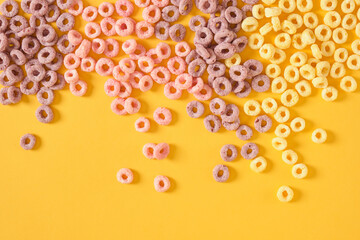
(323,33)
(357,29)
(323,69)
(291,74)
(269,105)
(304,5)
(288,27)
(282,114)
(265,29)
(355,46)
(249,24)
(319,135)
(258,11)
(337,70)
(255,41)
(313,62)
(296,19)
(311,20)
(282,130)
(278,85)
(327,48)
(332,19)
(289,98)
(297,124)
(308,37)
(272,70)
(303,87)
(285,194)
(348,84)
(287,6)
(341,55)
(340,35)
(279,143)
(299,170)
(282,41)
(298,59)
(297,42)
(268,2)
(307,71)
(329,94)
(289,157)
(320,82)
(267,51)
(347,6)
(272,12)
(316,52)
(353,62)
(252,108)
(258,164)
(279,56)
(275,21)
(234,60)
(349,22)
(328,5)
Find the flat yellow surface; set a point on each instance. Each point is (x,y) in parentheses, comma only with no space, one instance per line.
(66,188)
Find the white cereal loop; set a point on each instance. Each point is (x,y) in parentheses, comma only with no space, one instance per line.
(278,85)
(273,70)
(252,108)
(329,94)
(267,51)
(285,194)
(319,135)
(269,105)
(299,170)
(353,62)
(291,74)
(282,130)
(307,71)
(340,35)
(249,24)
(341,55)
(323,69)
(258,165)
(282,114)
(303,87)
(289,98)
(255,41)
(289,157)
(282,40)
(348,84)
(287,6)
(328,5)
(279,143)
(298,59)
(337,70)
(349,22)
(297,124)
(320,82)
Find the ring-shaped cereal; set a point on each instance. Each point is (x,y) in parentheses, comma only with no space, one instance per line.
(297,124)
(162,116)
(45,96)
(142,3)
(183,81)
(92,30)
(106,9)
(327,48)
(340,35)
(311,20)
(76,9)
(176,65)
(182,49)
(323,69)
(119,74)
(222,86)
(285,194)
(279,143)
(255,41)
(161,183)
(108,26)
(289,157)
(234,60)
(9,8)
(127,65)
(353,62)
(171,91)
(125,90)
(337,70)
(252,108)
(349,22)
(212,123)
(125,176)
(289,98)
(355,46)
(204,94)
(138,52)
(249,151)
(197,85)
(161,151)
(258,165)
(117,106)
(124,8)
(319,135)
(163,50)
(28,141)
(282,114)
(332,19)
(260,83)
(323,32)
(267,51)
(348,84)
(148,150)
(132,105)
(231,113)
(104,66)
(291,74)
(217,106)
(144,30)
(307,71)
(90,13)
(142,124)
(320,82)
(44,114)
(328,5)
(303,87)
(273,70)
(287,6)
(282,131)
(228,152)
(279,56)
(71,61)
(134,79)
(112,87)
(154,56)
(125,27)
(78,88)
(98,45)
(329,94)
(299,170)
(88,64)
(146,64)
(195,109)
(145,83)
(151,14)
(263,123)
(221,173)
(129,46)
(160,75)
(269,105)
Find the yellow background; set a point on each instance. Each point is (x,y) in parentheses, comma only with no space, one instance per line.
(66,188)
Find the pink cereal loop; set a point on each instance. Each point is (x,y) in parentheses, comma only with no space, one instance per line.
(162,116)
(161,151)
(125,176)
(144,30)
(71,61)
(74,37)
(89,14)
(139,52)
(161,183)
(125,90)
(127,65)
(153,54)
(98,45)
(120,75)
(176,65)
(77,8)
(92,30)
(134,79)
(142,3)
(161,75)
(117,106)
(112,87)
(132,105)
(125,26)
(197,85)
(108,26)
(112,48)
(183,81)
(71,76)
(160,3)
(163,50)
(171,92)
(78,88)
(88,64)
(142,124)
(151,14)
(145,83)
(129,46)
(148,150)
(182,49)
(146,64)
(84,49)
(124,8)
(204,94)
(104,66)
(106,9)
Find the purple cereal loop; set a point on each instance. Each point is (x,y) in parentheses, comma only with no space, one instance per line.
(233,15)
(231,113)
(90,13)
(224,50)
(262,123)
(175,2)
(238,73)
(207,6)
(219,12)
(217,106)
(4,99)
(224,152)
(36,73)
(30,45)
(44,114)
(5,81)
(27,142)
(45,33)
(112,48)
(260,83)
(3,23)
(197,67)
(32,62)
(124,8)
(26,32)
(106,9)
(12,44)
(224,36)
(251,2)
(14,94)
(56,63)
(55,13)
(45,96)
(162,30)
(212,58)
(203,36)
(231,126)
(108,26)
(197,19)
(62,24)
(216,24)
(245,91)
(61,45)
(240,43)
(177,32)
(14,73)
(144,34)
(197,85)
(170,13)
(50,79)
(216,69)
(254,67)
(18,23)
(4,61)
(191,57)
(210,80)
(185,6)
(98,45)
(237,86)
(190,109)
(39,7)
(221,173)
(18,57)
(25,5)
(65,4)
(14,8)
(222,86)
(60,82)
(246,9)
(244,132)
(33,22)
(202,51)
(46,55)
(212,123)
(25,89)
(249,151)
